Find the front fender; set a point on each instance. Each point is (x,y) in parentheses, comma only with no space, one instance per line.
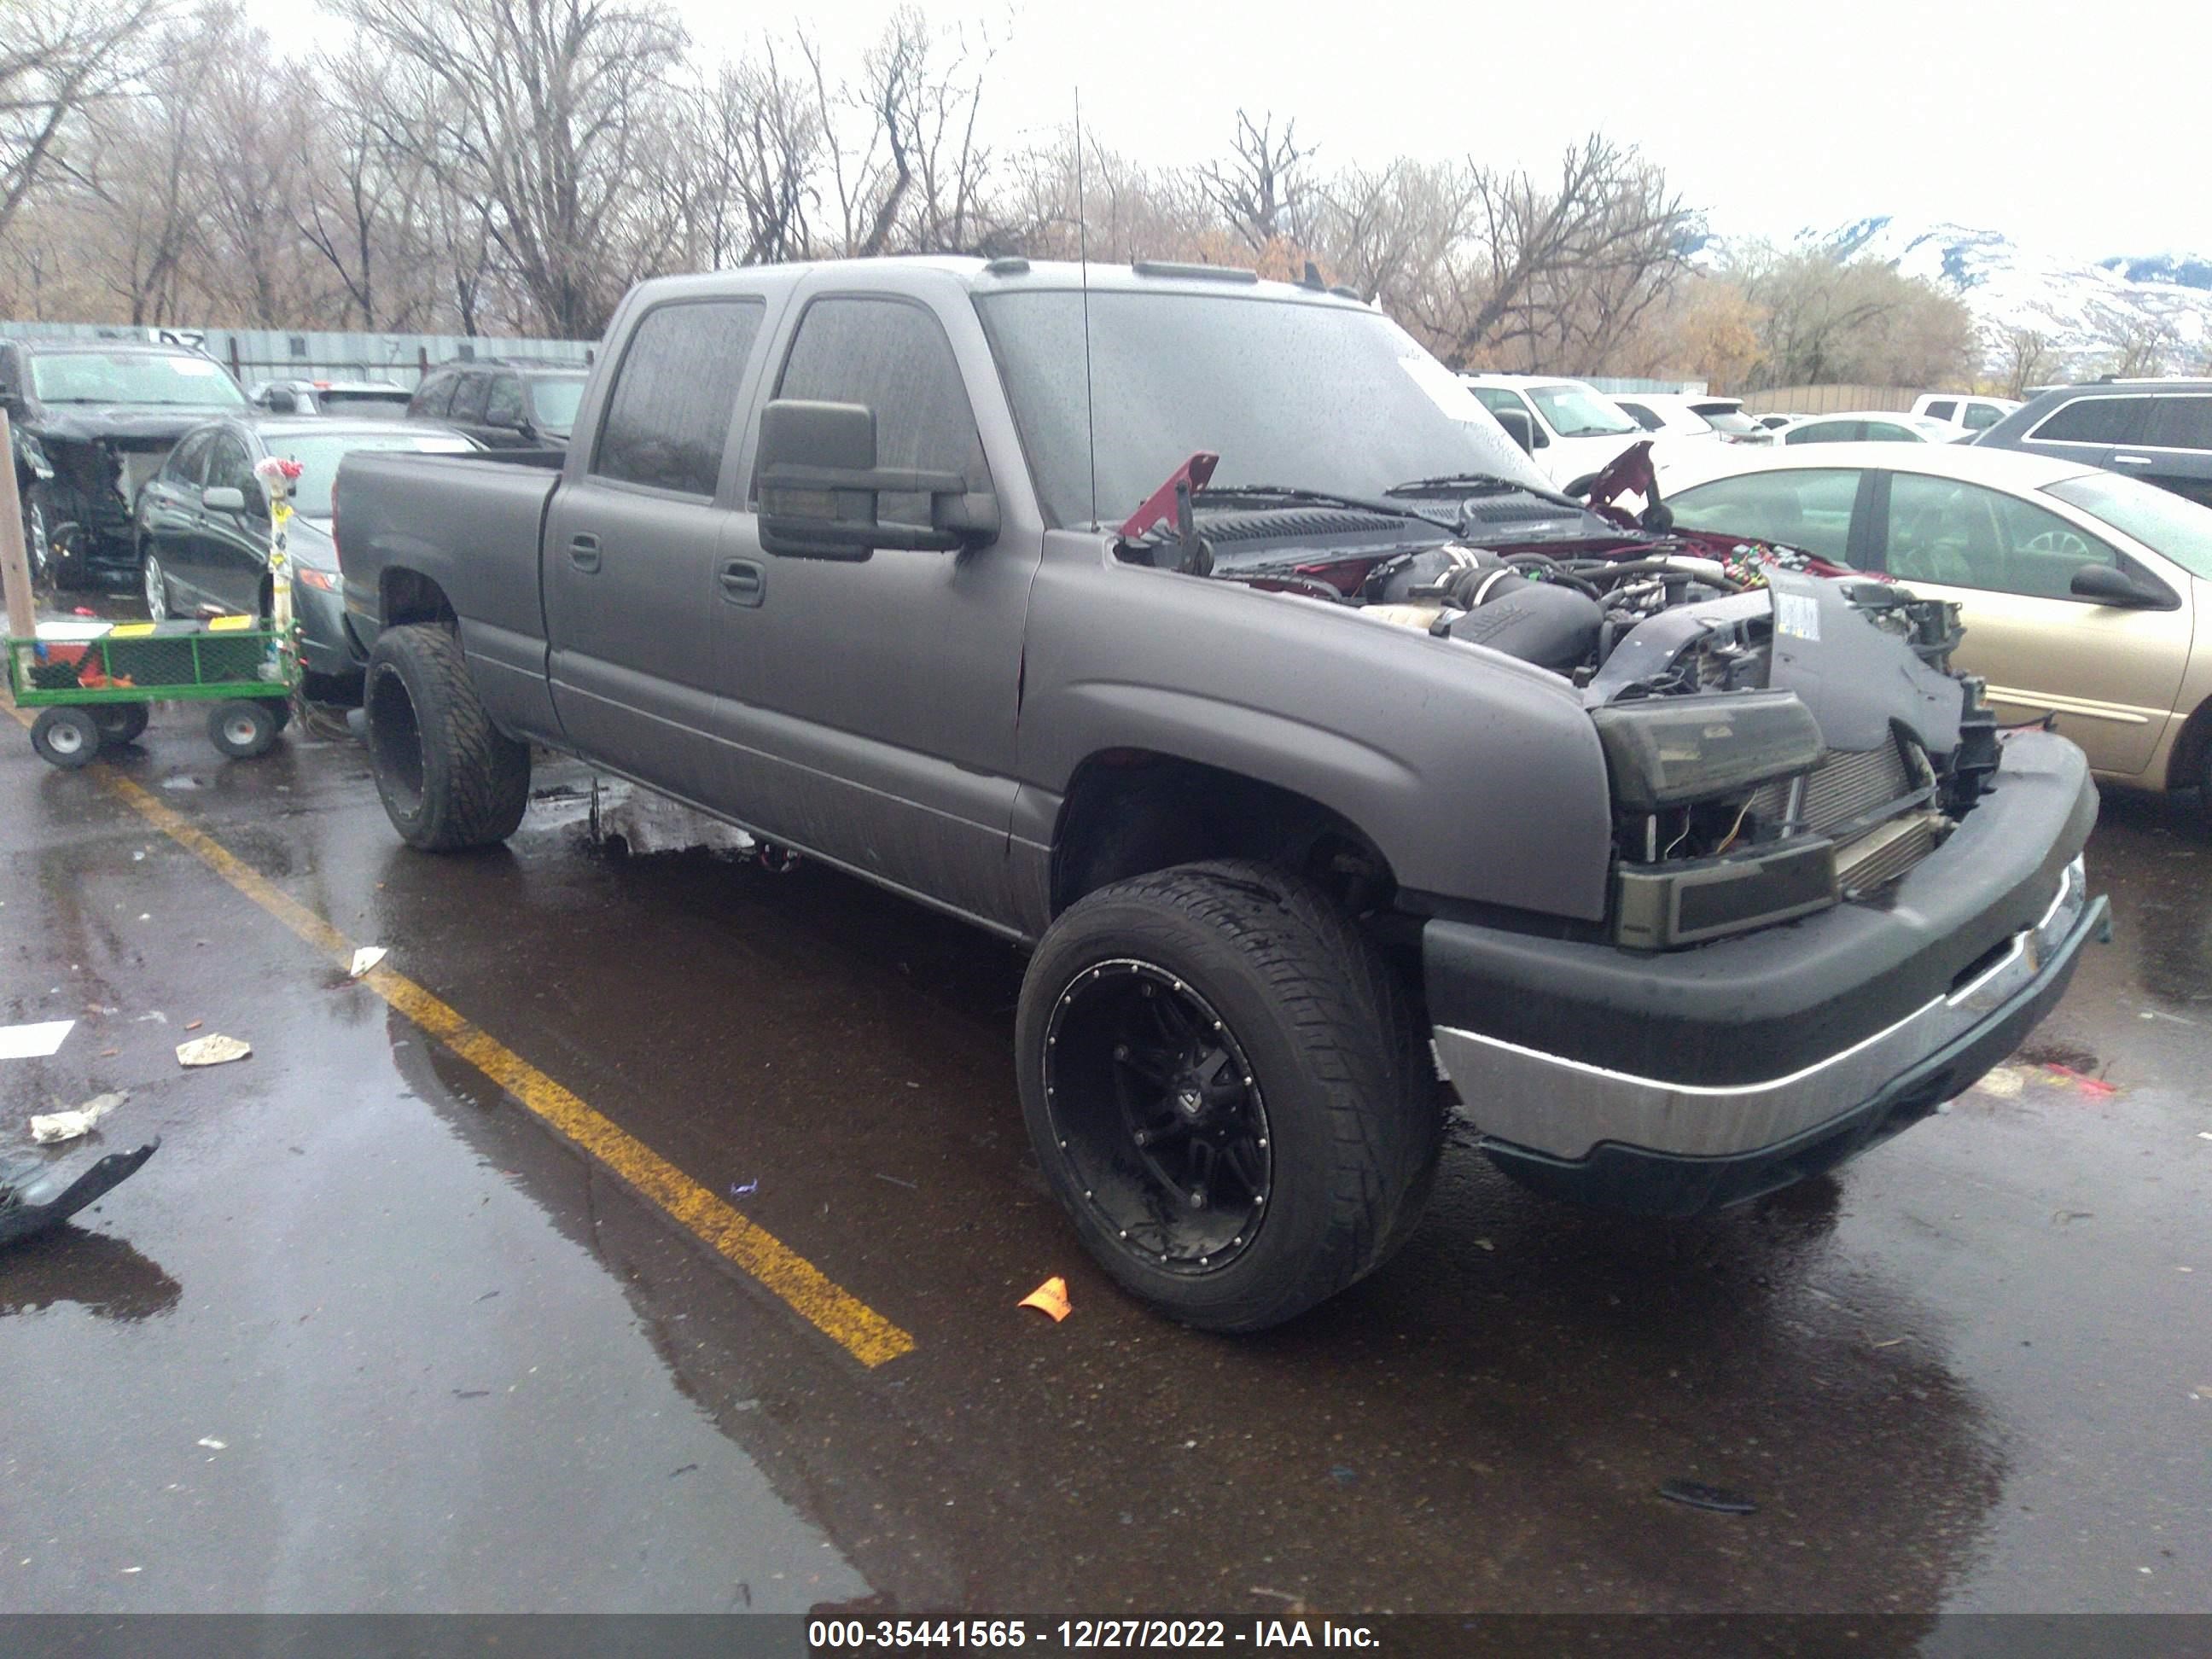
(1477,776)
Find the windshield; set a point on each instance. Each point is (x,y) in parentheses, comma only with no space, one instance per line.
(133,377)
(555,398)
(2162,521)
(318,456)
(1319,397)
(1576,412)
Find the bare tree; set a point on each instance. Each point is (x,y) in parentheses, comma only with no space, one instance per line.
(1261,187)
(2138,347)
(1557,272)
(2028,360)
(57,61)
(542,115)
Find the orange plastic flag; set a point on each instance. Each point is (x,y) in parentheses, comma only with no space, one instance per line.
(1049,1298)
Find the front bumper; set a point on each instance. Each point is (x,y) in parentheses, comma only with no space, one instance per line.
(1679,1083)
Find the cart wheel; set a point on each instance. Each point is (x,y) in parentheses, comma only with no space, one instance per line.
(118,722)
(68,737)
(242,728)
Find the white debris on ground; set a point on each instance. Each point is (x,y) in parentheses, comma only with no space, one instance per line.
(48,1128)
(213,1049)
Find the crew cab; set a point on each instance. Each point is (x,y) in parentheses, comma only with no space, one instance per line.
(1206,637)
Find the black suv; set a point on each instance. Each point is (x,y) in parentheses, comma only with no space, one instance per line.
(503,403)
(92,421)
(2160,431)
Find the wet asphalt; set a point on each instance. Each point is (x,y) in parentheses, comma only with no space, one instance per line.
(450,1363)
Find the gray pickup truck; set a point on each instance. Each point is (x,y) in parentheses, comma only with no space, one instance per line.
(1206,638)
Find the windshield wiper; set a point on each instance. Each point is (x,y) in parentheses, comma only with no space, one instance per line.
(1326,498)
(1483,483)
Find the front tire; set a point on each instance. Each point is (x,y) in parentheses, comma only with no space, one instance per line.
(38,541)
(153,582)
(1226,1088)
(449,778)
(67,737)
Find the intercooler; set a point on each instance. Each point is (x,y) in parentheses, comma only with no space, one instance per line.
(1877,791)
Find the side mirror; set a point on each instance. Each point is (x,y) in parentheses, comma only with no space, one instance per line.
(820,490)
(1519,428)
(222,498)
(2108,585)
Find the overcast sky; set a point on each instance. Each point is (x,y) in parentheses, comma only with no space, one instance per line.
(2074,128)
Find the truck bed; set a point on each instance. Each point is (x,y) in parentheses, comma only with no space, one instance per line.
(473,526)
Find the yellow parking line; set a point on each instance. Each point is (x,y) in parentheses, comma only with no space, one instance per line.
(835,1311)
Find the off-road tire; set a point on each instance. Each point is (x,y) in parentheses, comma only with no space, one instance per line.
(118,722)
(67,737)
(450,779)
(68,562)
(1350,1099)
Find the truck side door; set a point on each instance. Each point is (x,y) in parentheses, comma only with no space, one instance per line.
(871,704)
(628,560)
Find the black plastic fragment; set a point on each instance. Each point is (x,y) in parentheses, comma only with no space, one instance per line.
(1699,1496)
(39,1193)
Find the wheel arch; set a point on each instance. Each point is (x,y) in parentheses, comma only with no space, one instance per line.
(405,595)
(1128,811)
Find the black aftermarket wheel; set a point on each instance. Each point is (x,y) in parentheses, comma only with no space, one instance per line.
(67,737)
(448,777)
(1225,1089)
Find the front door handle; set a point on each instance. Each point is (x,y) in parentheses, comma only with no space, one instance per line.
(744,582)
(2132,460)
(584,552)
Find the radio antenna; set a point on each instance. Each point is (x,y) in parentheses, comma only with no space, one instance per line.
(1082,266)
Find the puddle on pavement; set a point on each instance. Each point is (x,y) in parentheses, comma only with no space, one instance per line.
(620,818)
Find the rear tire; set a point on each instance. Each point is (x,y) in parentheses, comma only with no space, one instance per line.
(450,779)
(1338,1122)
(118,722)
(66,736)
(244,727)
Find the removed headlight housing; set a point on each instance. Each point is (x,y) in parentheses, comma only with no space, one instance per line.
(1670,751)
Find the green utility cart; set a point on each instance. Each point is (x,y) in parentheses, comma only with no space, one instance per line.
(93,684)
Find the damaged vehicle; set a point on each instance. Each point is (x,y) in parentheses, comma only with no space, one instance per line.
(92,421)
(1206,638)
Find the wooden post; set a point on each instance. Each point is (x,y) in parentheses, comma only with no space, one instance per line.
(15,558)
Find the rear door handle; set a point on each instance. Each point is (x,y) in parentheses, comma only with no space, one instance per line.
(2132,460)
(744,582)
(584,552)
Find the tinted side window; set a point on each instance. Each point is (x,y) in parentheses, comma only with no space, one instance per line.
(472,397)
(231,467)
(894,358)
(434,397)
(1643,417)
(1888,433)
(1980,417)
(2180,423)
(1942,410)
(1808,509)
(2091,421)
(188,460)
(676,394)
(1965,536)
(505,408)
(1826,432)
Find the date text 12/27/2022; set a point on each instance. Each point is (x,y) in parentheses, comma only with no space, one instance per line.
(825,1636)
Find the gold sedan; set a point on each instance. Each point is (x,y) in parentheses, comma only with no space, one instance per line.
(2080,589)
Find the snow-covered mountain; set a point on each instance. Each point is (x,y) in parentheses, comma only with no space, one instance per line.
(2086,312)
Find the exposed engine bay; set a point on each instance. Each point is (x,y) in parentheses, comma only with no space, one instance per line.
(1781,734)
